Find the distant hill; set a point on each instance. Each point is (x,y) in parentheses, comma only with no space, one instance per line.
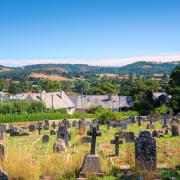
(64,70)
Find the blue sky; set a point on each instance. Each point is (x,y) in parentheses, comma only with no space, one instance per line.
(87,31)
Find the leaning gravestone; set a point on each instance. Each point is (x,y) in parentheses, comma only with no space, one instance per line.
(91,164)
(45,139)
(145,151)
(32,128)
(129,137)
(3,176)
(59,146)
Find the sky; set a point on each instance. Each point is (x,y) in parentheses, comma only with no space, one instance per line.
(96,32)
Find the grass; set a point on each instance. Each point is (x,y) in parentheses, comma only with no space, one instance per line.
(27,158)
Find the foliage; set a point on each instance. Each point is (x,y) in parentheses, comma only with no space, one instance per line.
(162,109)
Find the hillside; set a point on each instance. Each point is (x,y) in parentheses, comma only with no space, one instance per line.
(74,70)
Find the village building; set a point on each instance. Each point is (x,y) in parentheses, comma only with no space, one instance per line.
(52,100)
(113,102)
(3,97)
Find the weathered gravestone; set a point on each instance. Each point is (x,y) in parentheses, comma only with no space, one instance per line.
(150,125)
(82,127)
(156,133)
(52,132)
(59,146)
(74,124)
(175,128)
(164,121)
(32,128)
(45,139)
(133,119)
(13,131)
(64,133)
(123,125)
(39,126)
(139,120)
(46,125)
(91,164)
(1,132)
(53,125)
(121,134)
(108,125)
(116,141)
(3,176)
(145,151)
(129,137)
(67,123)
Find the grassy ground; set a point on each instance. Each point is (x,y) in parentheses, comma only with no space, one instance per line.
(28,158)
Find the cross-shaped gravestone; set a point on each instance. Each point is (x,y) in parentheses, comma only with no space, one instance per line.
(93,132)
(116,141)
(39,127)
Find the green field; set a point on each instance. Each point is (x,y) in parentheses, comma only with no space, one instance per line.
(28,158)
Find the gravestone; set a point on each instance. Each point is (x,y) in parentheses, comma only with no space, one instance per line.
(164,122)
(59,146)
(32,128)
(2,152)
(145,151)
(53,125)
(3,176)
(39,126)
(1,132)
(64,133)
(45,139)
(129,137)
(150,125)
(123,125)
(116,142)
(82,126)
(52,132)
(13,131)
(67,123)
(91,164)
(74,124)
(139,120)
(46,125)
(175,127)
(121,134)
(156,133)
(171,112)
(133,119)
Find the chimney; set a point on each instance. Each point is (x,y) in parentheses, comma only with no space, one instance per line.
(42,95)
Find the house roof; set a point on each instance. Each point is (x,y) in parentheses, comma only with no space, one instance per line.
(106,101)
(57,100)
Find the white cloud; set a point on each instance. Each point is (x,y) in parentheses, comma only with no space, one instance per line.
(102,62)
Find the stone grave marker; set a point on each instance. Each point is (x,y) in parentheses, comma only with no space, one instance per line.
(13,131)
(108,125)
(145,151)
(39,127)
(129,137)
(74,124)
(139,120)
(133,119)
(52,132)
(32,128)
(175,127)
(53,125)
(45,139)
(82,126)
(150,125)
(1,132)
(46,125)
(156,133)
(123,125)
(86,139)
(3,176)
(91,164)
(64,133)
(59,146)
(121,134)
(116,141)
